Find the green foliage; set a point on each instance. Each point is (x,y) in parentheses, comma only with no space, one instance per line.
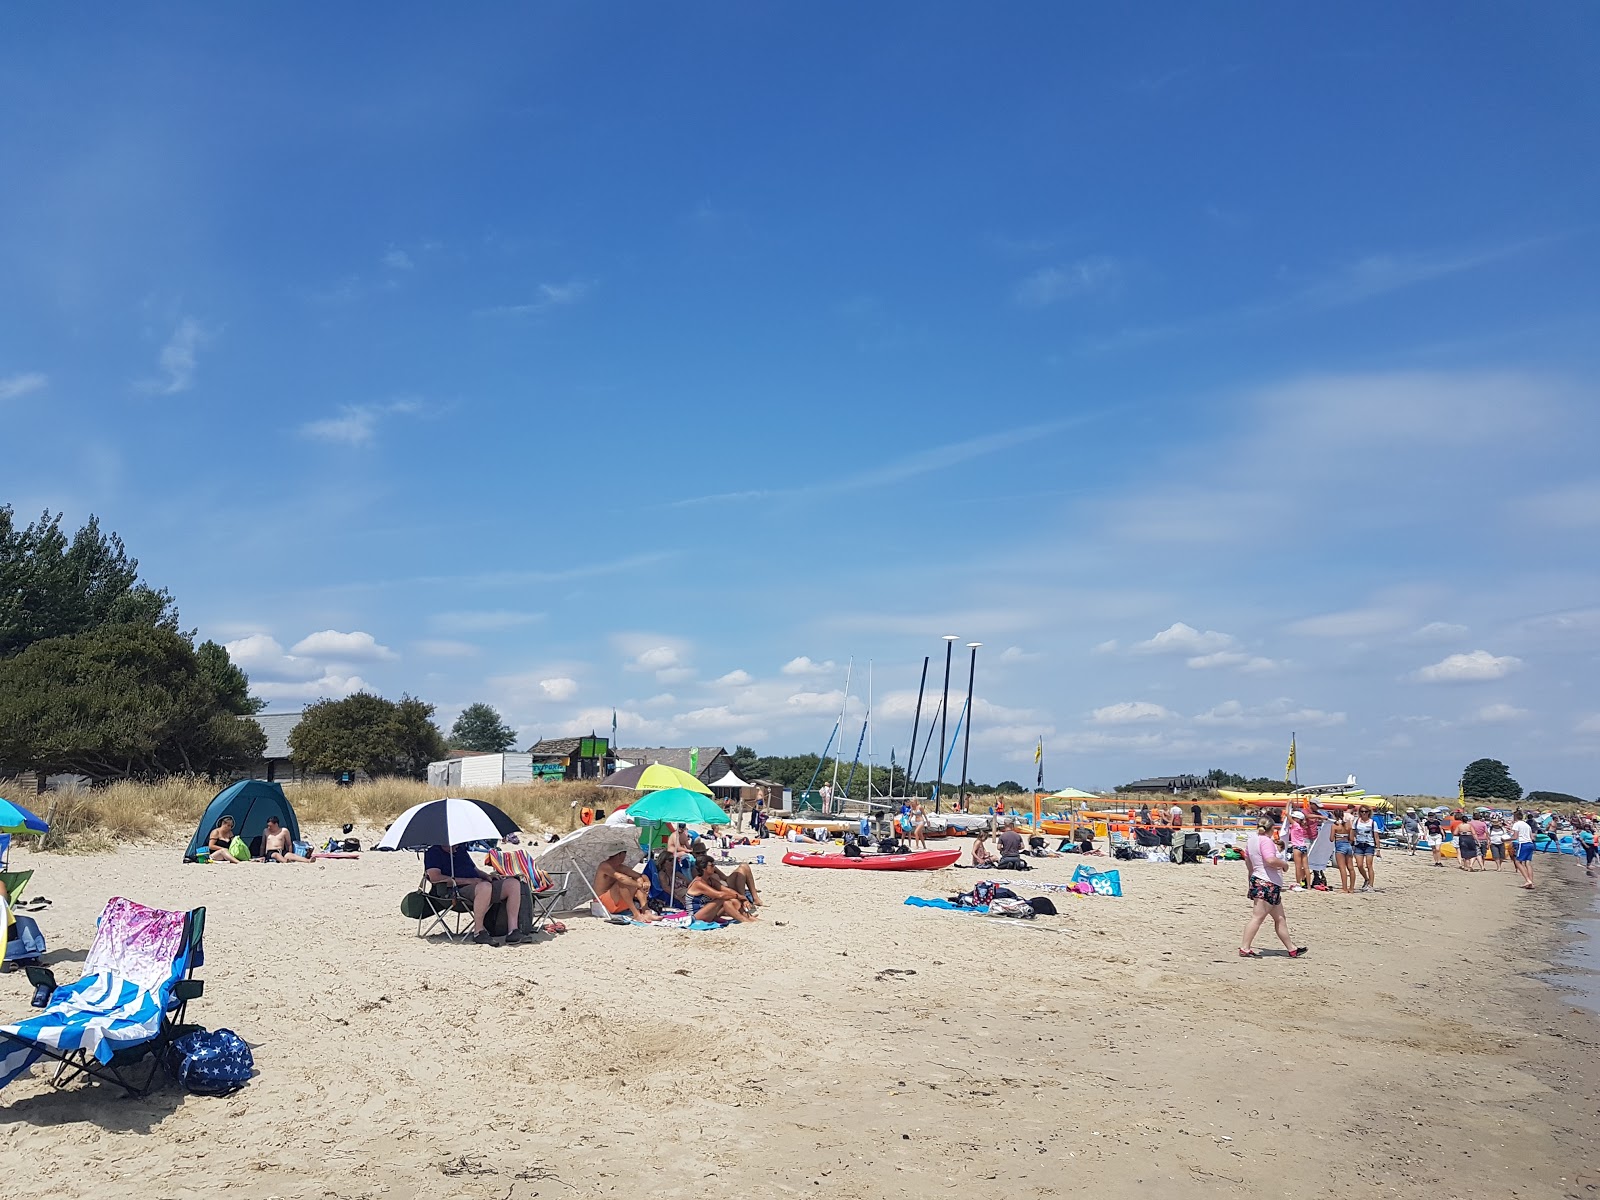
(745,762)
(1218,778)
(1489,779)
(228,683)
(367,733)
(1547,799)
(52,586)
(480,727)
(121,702)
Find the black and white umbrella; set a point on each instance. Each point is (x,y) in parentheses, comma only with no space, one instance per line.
(446,823)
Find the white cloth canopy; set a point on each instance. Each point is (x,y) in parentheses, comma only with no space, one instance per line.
(730,780)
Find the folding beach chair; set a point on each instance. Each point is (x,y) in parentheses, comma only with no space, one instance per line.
(544,887)
(438,908)
(127,1006)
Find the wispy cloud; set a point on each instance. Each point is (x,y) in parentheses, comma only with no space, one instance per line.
(1477,667)
(926,462)
(1048,285)
(14,387)
(397,259)
(1353,282)
(178,360)
(356,424)
(547,298)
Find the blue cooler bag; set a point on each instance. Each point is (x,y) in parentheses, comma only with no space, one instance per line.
(212,1063)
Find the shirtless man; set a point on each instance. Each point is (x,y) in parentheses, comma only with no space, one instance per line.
(678,841)
(278,846)
(741,881)
(621,890)
(220,839)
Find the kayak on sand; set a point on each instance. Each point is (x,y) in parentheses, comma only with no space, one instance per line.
(921,860)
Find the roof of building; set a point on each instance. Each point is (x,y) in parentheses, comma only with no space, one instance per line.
(467,754)
(555,747)
(672,756)
(277,727)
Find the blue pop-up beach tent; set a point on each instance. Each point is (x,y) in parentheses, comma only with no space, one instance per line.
(250,802)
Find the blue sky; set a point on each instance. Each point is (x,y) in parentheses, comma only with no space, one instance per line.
(1227,371)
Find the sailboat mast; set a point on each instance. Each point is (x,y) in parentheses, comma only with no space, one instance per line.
(849,667)
(870,760)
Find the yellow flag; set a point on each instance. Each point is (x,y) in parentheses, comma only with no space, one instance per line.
(1288,770)
(1461,791)
(1038,751)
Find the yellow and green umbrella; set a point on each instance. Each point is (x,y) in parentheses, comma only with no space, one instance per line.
(654,778)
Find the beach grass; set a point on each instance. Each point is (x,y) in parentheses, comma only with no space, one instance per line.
(98,819)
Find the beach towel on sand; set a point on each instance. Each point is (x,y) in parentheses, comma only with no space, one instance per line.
(920,902)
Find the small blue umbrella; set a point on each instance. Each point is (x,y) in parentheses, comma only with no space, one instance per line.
(16,819)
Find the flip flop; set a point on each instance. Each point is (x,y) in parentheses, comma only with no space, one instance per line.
(1249,954)
(1298,951)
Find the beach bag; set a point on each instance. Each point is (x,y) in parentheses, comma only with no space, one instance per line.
(240,849)
(211,1063)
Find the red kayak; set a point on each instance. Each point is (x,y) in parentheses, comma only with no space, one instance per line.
(922,860)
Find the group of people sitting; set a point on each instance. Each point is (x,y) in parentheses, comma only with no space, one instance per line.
(686,877)
(276,844)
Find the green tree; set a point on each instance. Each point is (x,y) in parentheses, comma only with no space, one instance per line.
(1489,779)
(744,762)
(1546,799)
(229,684)
(119,702)
(52,586)
(480,727)
(418,741)
(367,733)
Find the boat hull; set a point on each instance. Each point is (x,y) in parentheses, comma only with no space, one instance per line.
(921,860)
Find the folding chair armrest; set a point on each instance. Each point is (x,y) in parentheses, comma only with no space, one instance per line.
(42,977)
(188,989)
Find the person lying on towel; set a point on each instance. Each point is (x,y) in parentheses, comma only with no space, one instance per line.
(278,846)
(740,880)
(453,867)
(621,890)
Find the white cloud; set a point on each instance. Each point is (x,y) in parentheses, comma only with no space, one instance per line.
(1589,724)
(739,678)
(1106,647)
(547,298)
(1282,713)
(1179,638)
(178,359)
(445,648)
(14,387)
(261,654)
(1498,714)
(330,687)
(1477,667)
(657,658)
(483,622)
(1048,285)
(356,646)
(356,424)
(1252,663)
(560,688)
(1353,623)
(1439,631)
(1016,654)
(1130,710)
(804,666)
(397,259)
(1575,506)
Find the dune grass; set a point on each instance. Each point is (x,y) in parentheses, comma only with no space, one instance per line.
(95,821)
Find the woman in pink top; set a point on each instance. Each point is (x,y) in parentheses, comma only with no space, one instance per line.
(1265,866)
(1299,846)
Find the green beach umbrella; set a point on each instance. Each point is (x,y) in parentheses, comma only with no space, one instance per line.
(678,804)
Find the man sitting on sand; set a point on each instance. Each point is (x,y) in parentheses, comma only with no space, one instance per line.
(621,890)
(453,867)
(1010,846)
(740,880)
(278,846)
(220,839)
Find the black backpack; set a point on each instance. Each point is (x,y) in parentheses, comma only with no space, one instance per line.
(1042,906)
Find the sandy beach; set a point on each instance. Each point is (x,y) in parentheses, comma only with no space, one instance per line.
(846,1045)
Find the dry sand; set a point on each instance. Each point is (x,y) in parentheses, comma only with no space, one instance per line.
(1119,1048)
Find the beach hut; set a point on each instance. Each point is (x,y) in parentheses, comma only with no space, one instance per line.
(249,802)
